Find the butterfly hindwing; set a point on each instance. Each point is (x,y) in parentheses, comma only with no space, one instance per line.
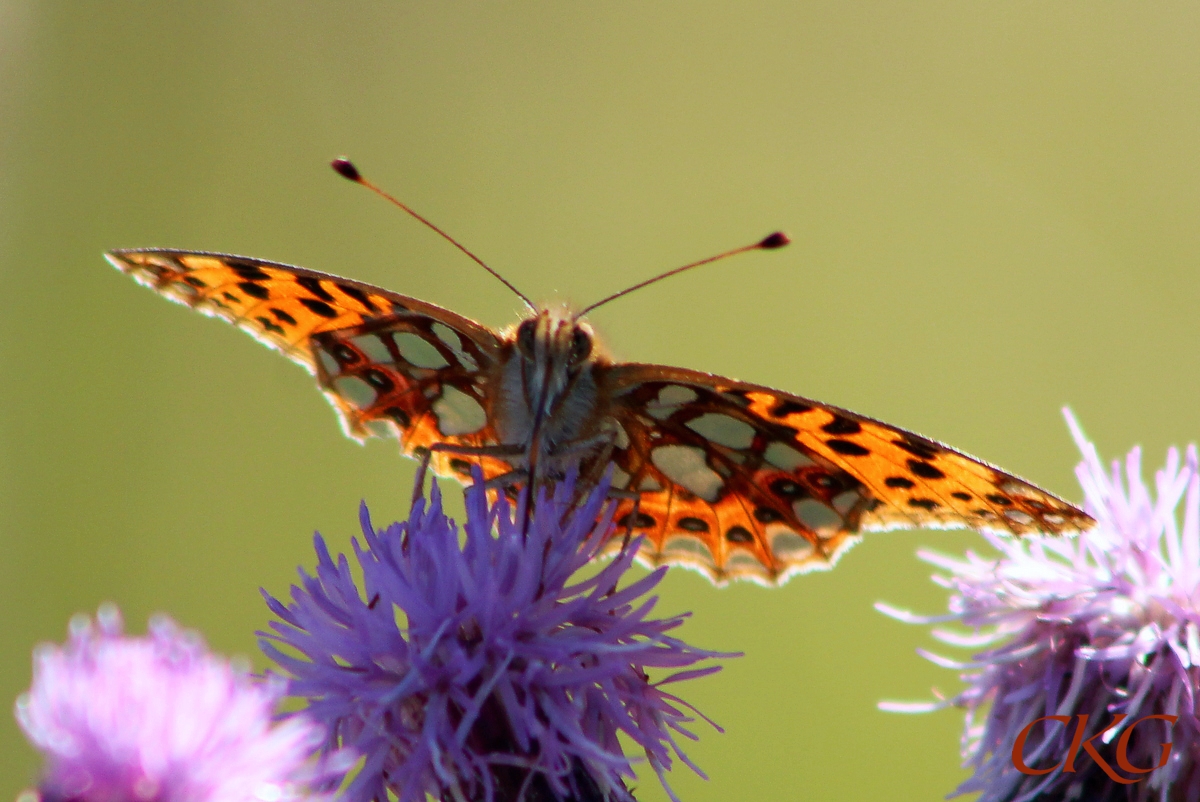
(389,364)
(739,480)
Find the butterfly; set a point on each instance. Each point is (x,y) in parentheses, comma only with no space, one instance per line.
(736,480)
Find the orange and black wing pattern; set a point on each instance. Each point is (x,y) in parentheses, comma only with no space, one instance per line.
(389,364)
(742,481)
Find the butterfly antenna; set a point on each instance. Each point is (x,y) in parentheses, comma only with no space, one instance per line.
(346,169)
(769,243)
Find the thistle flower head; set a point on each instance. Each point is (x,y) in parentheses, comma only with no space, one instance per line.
(160,719)
(482,668)
(1105,625)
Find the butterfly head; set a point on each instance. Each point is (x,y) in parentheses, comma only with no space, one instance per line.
(554,340)
(549,381)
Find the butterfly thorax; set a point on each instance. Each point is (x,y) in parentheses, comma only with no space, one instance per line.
(548,396)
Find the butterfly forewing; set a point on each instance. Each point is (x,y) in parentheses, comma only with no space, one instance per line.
(739,480)
(390,364)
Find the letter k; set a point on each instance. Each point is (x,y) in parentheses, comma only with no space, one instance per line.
(1078,741)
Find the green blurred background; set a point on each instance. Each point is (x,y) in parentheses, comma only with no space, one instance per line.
(994,210)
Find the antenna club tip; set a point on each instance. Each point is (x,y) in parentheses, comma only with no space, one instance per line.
(776,240)
(345,168)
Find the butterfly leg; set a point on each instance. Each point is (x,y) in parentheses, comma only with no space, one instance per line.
(419,484)
(634,514)
(507,480)
(505,452)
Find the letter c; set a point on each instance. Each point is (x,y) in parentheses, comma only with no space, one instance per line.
(1018,758)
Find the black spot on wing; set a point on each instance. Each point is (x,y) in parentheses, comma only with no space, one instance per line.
(283,317)
(358,295)
(692,524)
(379,380)
(918,448)
(270,325)
(314,286)
(344,354)
(255,290)
(399,416)
(899,481)
(924,470)
(846,447)
(840,425)
(789,407)
(786,488)
(738,534)
(766,515)
(639,521)
(248,272)
(319,307)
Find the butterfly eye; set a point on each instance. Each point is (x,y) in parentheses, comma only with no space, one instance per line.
(581,346)
(526,335)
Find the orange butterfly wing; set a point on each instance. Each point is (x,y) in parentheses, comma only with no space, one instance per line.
(388,363)
(742,481)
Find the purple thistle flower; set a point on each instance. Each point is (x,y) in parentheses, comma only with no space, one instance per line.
(483,670)
(1103,625)
(160,719)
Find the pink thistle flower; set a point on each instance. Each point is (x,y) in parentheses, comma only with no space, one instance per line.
(160,719)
